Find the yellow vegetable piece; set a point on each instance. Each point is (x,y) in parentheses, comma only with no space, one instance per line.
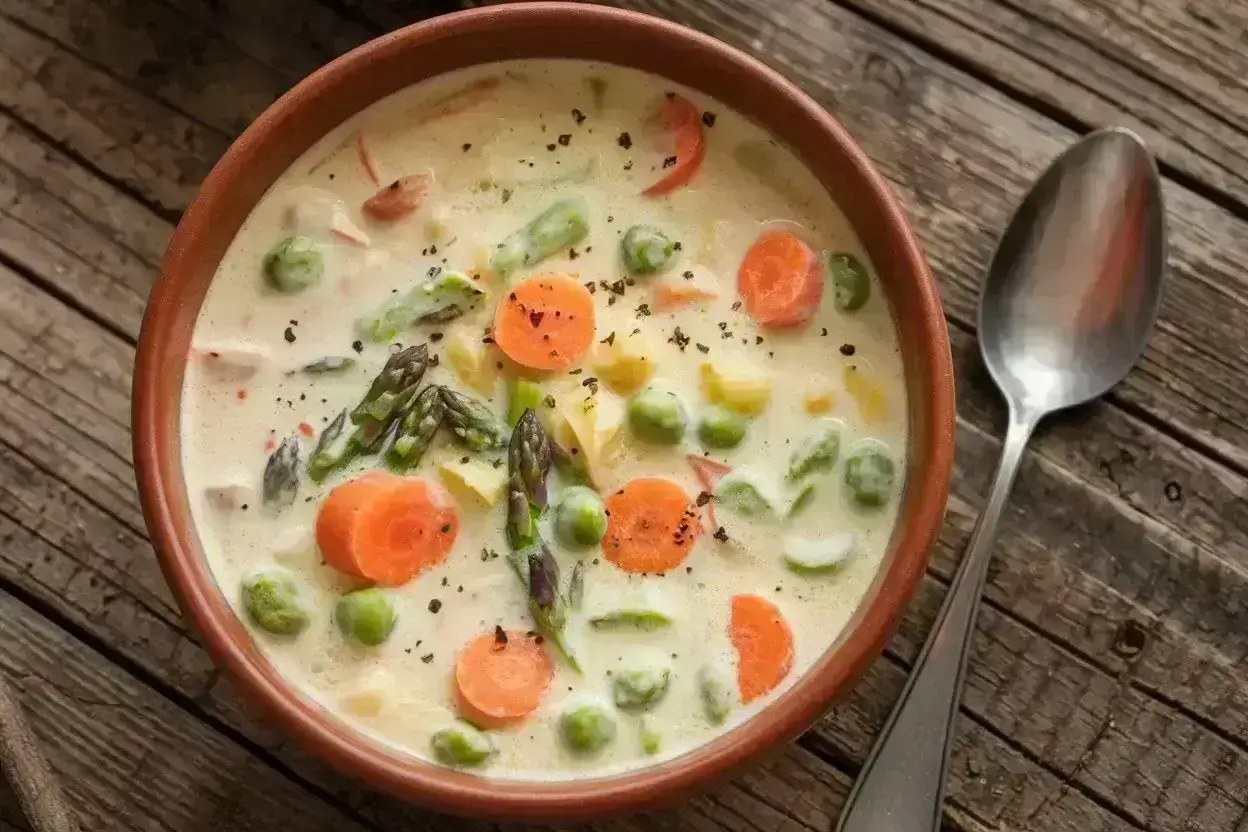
(626,364)
(739,386)
(474,480)
(866,393)
(591,423)
(820,397)
(474,363)
(372,696)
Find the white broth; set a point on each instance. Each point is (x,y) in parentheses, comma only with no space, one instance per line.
(497,146)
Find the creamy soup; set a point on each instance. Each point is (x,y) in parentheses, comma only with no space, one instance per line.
(545,419)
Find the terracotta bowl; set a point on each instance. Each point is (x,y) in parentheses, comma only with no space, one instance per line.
(532,30)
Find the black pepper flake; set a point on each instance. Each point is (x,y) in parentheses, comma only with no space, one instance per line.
(703,348)
(446,528)
(573,254)
(445,580)
(549,401)
(609,340)
(434,360)
(578,116)
(687,275)
(488,555)
(824,332)
(591,287)
(551,146)
(721,535)
(736,304)
(643,311)
(289,335)
(611,300)
(758,339)
(625,141)
(848,349)
(591,383)
(467,146)
(617,287)
(427,658)
(669,161)
(434,606)
(708,118)
(565,139)
(535,319)
(676,246)
(610,218)
(434,271)
(723,325)
(500,635)
(704,497)
(628,165)
(435,336)
(433,249)
(679,338)
(575,371)
(358,346)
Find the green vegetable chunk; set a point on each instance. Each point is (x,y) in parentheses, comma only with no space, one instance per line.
(586,724)
(816,453)
(719,692)
(441,299)
(658,416)
(822,554)
(389,396)
(408,438)
(639,688)
(869,472)
(367,614)
(646,250)
(639,608)
(474,424)
(742,491)
(273,601)
(651,739)
(722,428)
(801,500)
(461,745)
(522,395)
(850,283)
(281,474)
(333,449)
(580,518)
(327,365)
(294,264)
(563,224)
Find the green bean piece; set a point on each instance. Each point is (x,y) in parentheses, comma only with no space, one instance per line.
(408,438)
(563,224)
(367,614)
(328,365)
(294,264)
(334,449)
(816,453)
(580,518)
(461,744)
(646,250)
(722,428)
(443,298)
(850,284)
(869,472)
(658,416)
(719,692)
(273,601)
(651,739)
(522,395)
(639,688)
(586,725)
(638,617)
(281,474)
(474,424)
(741,492)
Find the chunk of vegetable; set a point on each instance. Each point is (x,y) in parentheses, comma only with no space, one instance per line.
(639,688)
(868,394)
(721,428)
(682,119)
(780,280)
(547,604)
(737,385)
(371,695)
(563,224)
(522,395)
(672,296)
(501,676)
(817,452)
(590,427)
(473,362)
(333,449)
(744,491)
(651,525)
(626,362)
(274,602)
(444,298)
(529,456)
(645,250)
(764,645)
(586,724)
(801,500)
(651,738)
(719,694)
(850,284)
(408,438)
(397,200)
(640,608)
(328,364)
(475,480)
(294,264)
(367,614)
(820,396)
(281,474)
(822,554)
(545,322)
(580,519)
(474,424)
(461,744)
(388,398)
(869,472)
(658,416)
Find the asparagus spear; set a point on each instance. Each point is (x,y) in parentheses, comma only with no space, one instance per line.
(472,421)
(388,398)
(441,299)
(528,462)
(281,474)
(546,604)
(409,437)
(562,224)
(334,449)
(328,364)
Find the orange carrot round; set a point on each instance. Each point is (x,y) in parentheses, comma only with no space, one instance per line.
(386,528)
(546,322)
(398,199)
(500,677)
(764,645)
(680,118)
(780,280)
(651,525)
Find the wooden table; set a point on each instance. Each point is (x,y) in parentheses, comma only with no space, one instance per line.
(1108,688)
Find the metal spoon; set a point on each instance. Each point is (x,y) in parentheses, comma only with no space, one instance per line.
(1070,296)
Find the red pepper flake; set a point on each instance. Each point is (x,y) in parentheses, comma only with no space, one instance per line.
(241,393)
(306,429)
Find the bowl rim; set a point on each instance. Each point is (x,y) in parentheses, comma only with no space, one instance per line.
(158,466)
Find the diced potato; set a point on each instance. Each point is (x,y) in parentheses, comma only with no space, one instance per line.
(625,364)
(474,480)
(820,396)
(867,393)
(590,423)
(736,385)
(372,696)
(474,363)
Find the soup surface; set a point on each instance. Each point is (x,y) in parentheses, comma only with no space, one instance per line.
(710,408)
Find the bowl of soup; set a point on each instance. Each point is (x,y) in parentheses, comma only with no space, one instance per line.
(543,411)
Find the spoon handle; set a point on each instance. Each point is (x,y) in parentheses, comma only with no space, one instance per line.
(901,786)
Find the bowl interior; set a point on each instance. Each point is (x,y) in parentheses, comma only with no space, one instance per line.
(384,66)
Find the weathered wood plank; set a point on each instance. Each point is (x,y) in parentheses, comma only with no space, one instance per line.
(1173,71)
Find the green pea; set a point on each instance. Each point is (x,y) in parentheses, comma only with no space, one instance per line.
(273,600)
(850,283)
(646,250)
(461,745)
(580,518)
(294,264)
(651,739)
(869,472)
(367,614)
(719,692)
(587,725)
(721,428)
(639,688)
(816,453)
(658,416)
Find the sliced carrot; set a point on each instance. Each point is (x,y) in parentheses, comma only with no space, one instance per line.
(709,472)
(780,280)
(669,296)
(366,158)
(680,118)
(764,645)
(546,322)
(651,525)
(398,199)
(386,528)
(501,676)
(457,101)
(349,236)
